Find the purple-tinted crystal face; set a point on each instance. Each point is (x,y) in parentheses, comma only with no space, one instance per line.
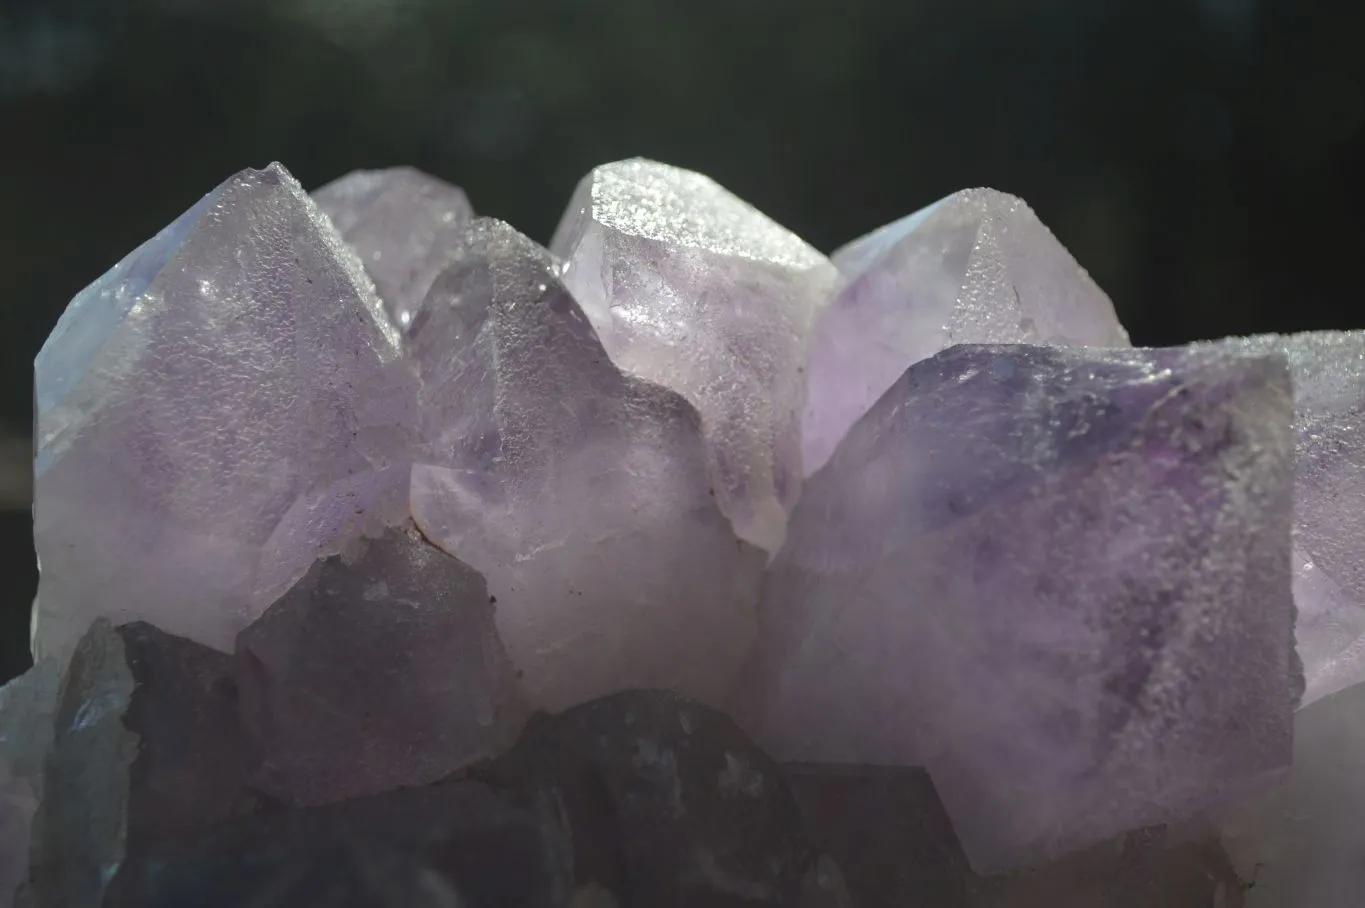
(405,226)
(579,492)
(692,288)
(976,267)
(209,418)
(1059,578)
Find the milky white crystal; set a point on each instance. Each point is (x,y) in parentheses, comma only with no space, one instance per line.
(405,225)
(694,289)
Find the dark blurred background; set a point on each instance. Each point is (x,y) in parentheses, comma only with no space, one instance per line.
(1202,158)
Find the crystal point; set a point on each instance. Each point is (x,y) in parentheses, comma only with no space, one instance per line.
(1124,660)
(975,267)
(405,225)
(190,400)
(380,669)
(26,707)
(692,288)
(579,492)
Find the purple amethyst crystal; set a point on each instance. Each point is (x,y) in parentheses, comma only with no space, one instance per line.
(208,414)
(580,493)
(692,288)
(380,669)
(1057,578)
(977,267)
(406,227)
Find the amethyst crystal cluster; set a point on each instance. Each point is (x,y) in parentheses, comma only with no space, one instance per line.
(390,558)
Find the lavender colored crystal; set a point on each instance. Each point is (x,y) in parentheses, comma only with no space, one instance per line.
(209,414)
(405,225)
(580,493)
(976,267)
(1328,370)
(1056,577)
(692,288)
(26,707)
(380,669)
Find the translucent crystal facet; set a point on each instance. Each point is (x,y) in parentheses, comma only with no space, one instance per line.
(579,492)
(380,669)
(1328,371)
(976,267)
(1056,577)
(405,225)
(207,414)
(692,288)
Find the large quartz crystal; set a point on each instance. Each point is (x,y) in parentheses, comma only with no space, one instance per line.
(977,267)
(580,493)
(1328,370)
(406,226)
(26,707)
(208,414)
(1058,578)
(380,669)
(690,287)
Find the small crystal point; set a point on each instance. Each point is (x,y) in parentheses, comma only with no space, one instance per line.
(405,225)
(188,401)
(380,669)
(579,492)
(694,289)
(976,267)
(1056,577)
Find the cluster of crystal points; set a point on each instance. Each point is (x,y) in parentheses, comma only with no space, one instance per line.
(338,496)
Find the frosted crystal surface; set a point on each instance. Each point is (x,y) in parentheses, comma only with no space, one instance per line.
(380,669)
(1301,844)
(1328,371)
(692,288)
(26,706)
(579,492)
(207,415)
(1058,578)
(975,267)
(405,225)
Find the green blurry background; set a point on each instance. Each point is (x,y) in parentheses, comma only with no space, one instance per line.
(1203,158)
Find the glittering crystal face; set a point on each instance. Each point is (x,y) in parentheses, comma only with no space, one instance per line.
(915,515)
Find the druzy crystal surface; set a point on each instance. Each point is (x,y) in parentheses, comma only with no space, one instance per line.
(390,558)
(977,267)
(1328,371)
(405,225)
(693,288)
(207,412)
(1058,578)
